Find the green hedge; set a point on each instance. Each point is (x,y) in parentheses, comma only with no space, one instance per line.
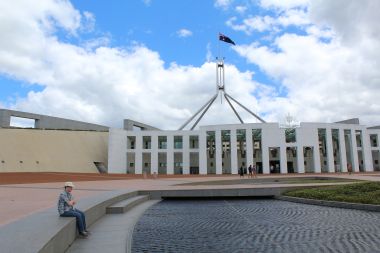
(365,193)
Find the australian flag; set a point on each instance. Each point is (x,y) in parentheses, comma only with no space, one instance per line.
(225,39)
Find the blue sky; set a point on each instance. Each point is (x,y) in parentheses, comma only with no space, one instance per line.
(156,25)
(151,60)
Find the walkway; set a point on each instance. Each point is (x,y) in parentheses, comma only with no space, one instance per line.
(21,200)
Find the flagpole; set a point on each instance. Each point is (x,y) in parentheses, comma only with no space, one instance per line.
(220,88)
(218,54)
(217,69)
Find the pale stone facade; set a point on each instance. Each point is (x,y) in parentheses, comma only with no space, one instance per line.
(223,149)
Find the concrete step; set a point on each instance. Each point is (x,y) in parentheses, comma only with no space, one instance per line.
(125,205)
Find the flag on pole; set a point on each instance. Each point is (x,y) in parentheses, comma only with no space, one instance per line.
(225,39)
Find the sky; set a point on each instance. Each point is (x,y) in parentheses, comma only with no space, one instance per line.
(153,61)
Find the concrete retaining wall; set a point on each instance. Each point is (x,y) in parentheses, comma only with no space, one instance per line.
(33,150)
(225,192)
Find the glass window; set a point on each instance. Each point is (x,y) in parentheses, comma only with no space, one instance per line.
(373,138)
(358,134)
(131,140)
(210,143)
(178,142)
(147,142)
(162,142)
(194,141)
(256,139)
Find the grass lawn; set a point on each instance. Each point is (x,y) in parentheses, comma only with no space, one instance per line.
(365,193)
(302,180)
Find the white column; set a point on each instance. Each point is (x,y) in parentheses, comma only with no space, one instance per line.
(186,154)
(355,165)
(234,160)
(330,151)
(282,151)
(343,154)
(283,163)
(117,151)
(249,146)
(367,151)
(265,157)
(138,155)
(316,152)
(218,152)
(300,159)
(170,155)
(202,153)
(317,158)
(154,154)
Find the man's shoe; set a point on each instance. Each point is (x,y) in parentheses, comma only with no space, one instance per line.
(88,232)
(83,234)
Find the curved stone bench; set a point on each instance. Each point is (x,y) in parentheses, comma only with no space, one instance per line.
(46,232)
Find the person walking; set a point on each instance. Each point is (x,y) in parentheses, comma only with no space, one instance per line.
(250,171)
(66,208)
(241,171)
(254,171)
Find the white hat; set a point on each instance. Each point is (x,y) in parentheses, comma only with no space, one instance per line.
(69,184)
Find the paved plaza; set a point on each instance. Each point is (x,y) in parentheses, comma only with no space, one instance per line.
(254,226)
(20,200)
(197,226)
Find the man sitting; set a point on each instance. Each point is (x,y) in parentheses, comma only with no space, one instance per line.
(66,208)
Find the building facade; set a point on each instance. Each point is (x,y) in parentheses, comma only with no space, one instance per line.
(223,149)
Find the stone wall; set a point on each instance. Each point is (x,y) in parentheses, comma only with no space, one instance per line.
(35,150)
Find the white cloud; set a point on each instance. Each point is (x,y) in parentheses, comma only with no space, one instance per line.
(320,32)
(89,21)
(223,4)
(92,44)
(22,122)
(241,9)
(251,24)
(101,84)
(283,4)
(353,21)
(325,80)
(183,33)
(147,2)
(296,17)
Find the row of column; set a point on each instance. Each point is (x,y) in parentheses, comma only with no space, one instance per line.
(202,151)
(366,152)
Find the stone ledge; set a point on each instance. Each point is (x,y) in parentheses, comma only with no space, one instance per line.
(126,205)
(357,206)
(46,232)
(217,193)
